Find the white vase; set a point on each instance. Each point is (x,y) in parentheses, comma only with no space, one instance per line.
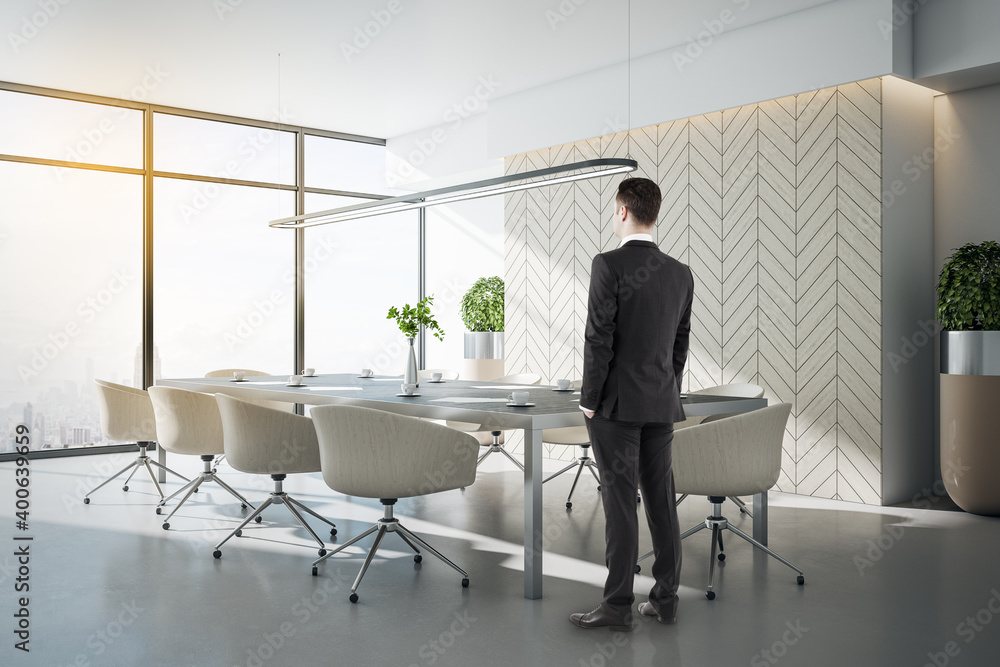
(410,376)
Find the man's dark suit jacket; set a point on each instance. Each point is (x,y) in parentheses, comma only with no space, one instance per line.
(638,321)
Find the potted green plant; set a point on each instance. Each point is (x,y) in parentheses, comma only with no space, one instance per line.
(409,320)
(482,312)
(968,309)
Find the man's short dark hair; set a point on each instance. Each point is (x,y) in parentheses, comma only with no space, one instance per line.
(642,197)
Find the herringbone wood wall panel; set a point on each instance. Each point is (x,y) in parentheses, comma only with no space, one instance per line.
(776,209)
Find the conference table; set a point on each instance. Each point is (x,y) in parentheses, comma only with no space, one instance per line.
(481,402)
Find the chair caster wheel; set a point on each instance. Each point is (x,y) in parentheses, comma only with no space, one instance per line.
(322,552)
(465,582)
(354,597)
(217,553)
(461,488)
(258,519)
(166,526)
(315,571)
(215,470)
(742,511)
(598,487)
(800,580)
(159,510)
(638,569)
(333,532)
(417,558)
(86,501)
(125,488)
(722,557)
(710,595)
(243,506)
(238,533)
(638,499)
(569,505)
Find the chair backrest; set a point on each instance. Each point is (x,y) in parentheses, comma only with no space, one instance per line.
(738,456)
(265,441)
(519,378)
(126,412)
(187,422)
(736,390)
(376,454)
(284,406)
(446,374)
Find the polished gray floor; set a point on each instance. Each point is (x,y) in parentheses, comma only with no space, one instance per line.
(884,586)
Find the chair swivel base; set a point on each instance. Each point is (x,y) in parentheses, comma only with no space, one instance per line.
(141,461)
(718,523)
(206,475)
(389,524)
(497,448)
(279,497)
(584,461)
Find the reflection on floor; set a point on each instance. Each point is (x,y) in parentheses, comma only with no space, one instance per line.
(108,586)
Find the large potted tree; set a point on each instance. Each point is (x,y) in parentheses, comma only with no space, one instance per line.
(482,312)
(969,311)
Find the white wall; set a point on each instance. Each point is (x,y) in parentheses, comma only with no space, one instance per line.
(953,35)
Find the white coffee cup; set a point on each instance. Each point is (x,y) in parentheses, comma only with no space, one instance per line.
(436,377)
(518,397)
(294,379)
(366,372)
(238,375)
(563,384)
(308,372)
(407,389)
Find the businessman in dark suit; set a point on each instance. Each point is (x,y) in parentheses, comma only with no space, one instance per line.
(638,320)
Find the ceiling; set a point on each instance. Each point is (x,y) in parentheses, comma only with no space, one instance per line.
(314,59)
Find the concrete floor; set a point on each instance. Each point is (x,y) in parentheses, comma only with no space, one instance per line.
(108,586)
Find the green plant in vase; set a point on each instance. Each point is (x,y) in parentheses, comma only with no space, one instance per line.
(409,320)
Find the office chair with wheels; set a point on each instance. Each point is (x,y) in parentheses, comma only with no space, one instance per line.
(127,414)
(264,441)
(361,455)
(738,456)
(277,405)
(188,422)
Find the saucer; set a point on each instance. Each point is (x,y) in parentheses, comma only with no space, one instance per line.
(435,381)
(520,405)
(570,389)
(407,395)
(365,377)
(235,380)
(296,385)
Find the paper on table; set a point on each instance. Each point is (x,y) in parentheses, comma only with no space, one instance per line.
(508,386)
(464,399)
(334,388)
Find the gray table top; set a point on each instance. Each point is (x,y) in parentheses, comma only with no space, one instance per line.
(552,409)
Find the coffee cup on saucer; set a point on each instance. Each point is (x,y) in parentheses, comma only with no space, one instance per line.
(308,372)
(518,397)
(295,380)
(435,377)
(366,372)
(563,384)
(407,388)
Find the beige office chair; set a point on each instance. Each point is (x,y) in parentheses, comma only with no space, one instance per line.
(188,422)
(127,414)
(736,390)
(446,374)
(375,454)
(485,434)
(738,456)
(573,436)
(284,406)
(263,441)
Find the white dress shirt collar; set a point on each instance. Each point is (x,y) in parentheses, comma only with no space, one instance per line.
(636,237)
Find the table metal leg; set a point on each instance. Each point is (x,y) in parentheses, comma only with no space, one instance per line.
(760,517)
(533,535)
